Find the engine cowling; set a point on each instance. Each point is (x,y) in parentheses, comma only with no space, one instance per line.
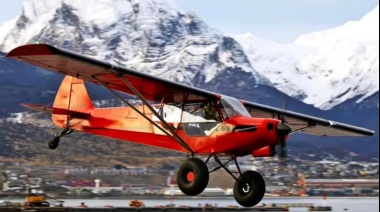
(267,151)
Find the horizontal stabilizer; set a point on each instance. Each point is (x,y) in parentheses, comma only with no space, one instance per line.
(56,111)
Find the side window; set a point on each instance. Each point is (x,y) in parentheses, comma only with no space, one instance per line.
(198,119)
(193,112)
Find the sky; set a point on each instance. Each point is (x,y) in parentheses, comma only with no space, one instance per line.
(277,20)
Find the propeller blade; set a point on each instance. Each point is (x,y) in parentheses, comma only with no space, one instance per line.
(283,149)
(283,129)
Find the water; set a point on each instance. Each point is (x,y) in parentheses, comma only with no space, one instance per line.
(356,204)
(338,204)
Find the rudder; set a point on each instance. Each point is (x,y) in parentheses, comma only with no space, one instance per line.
(73,95)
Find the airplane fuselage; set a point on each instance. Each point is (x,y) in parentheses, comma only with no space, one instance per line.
(237,135)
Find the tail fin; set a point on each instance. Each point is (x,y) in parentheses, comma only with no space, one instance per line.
(73,95)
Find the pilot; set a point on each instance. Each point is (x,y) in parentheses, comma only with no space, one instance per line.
(211,113)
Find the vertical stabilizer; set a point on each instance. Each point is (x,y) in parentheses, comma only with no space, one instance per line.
(73,95)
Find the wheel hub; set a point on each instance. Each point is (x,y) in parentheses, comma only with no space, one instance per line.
(190,176)
(246,188)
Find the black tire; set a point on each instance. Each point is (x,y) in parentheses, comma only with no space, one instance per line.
(251,194)
(53,143)
(200,176)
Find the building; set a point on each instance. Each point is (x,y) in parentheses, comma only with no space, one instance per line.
(341,183)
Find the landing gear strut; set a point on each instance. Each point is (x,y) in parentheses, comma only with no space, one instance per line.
(54,142)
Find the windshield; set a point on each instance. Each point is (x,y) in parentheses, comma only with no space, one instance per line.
(232,107)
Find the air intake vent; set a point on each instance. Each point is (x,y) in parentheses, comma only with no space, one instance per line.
(270,127)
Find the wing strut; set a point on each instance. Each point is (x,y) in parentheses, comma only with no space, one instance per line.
(176,137)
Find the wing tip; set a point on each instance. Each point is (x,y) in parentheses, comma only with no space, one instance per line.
(32,50)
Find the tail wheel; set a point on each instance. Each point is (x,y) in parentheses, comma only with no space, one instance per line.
(250,189)
(53,143)
(192,177)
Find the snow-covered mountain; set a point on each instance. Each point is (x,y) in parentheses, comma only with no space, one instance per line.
(324,68)
(148,35)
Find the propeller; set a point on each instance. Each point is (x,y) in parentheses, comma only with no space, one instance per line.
(283,129)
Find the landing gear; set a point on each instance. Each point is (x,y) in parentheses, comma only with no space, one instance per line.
(192,177)
(250,189)
(54,142)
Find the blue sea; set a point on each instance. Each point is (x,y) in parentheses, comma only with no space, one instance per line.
(356,204)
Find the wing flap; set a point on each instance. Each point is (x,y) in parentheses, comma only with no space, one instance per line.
(56,111)
(306,124)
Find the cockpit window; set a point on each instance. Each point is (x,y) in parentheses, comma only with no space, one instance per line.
(232,107)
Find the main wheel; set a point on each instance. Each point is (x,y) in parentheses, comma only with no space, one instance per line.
(53,143)
(250,190)
(192,176)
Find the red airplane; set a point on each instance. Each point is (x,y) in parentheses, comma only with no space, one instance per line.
(173,116)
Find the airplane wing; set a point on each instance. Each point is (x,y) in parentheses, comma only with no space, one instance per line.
(306,124)
(80,66)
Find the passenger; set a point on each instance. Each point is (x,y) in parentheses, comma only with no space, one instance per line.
(211,113)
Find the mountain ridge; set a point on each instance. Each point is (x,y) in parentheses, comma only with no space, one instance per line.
(323,68)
